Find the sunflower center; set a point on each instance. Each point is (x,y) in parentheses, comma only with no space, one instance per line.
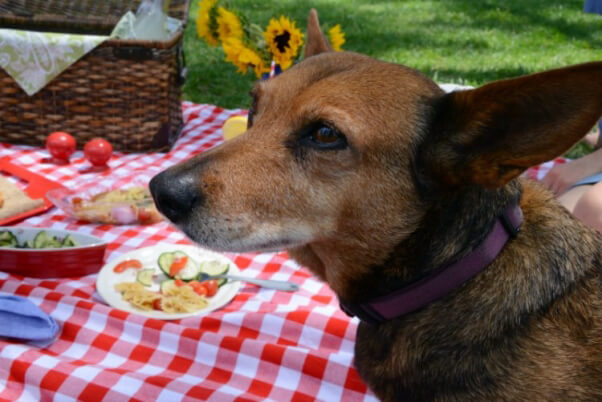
(282,41)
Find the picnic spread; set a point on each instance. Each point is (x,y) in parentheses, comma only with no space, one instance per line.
(263,345)
(89,110)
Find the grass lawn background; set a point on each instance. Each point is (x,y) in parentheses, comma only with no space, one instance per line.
(461,41)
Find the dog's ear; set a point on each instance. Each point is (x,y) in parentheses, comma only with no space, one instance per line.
(316,41)
(491,134)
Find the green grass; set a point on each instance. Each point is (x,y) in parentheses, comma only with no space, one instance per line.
(461,41)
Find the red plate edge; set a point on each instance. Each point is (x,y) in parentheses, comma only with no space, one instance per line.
(36,188)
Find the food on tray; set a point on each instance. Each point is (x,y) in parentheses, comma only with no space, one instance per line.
(120,206)
(214,268)
(182,299)
(176,299)
(137,295)
(126,264)
(179,285)
(8,239)
(211,286)
(177,265)
(40,241)
(145,277)
(207,287)
(15,201)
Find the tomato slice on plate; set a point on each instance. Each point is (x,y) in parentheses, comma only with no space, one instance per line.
(123,265)
(212,286)
(177,265)
(198,288)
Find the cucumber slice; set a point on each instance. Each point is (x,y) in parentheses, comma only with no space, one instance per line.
(213,268)
(8,239)
(166,259)
(167,285)
(52,242)
(188,273)
(145,277)
(40,240)
(68,241)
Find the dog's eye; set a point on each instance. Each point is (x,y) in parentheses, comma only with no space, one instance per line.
(326,137)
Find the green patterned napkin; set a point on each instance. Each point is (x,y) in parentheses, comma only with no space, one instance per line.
(33,59)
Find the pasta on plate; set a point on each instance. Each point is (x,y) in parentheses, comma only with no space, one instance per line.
(181,299)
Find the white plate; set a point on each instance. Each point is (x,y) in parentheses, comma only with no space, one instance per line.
(148,256)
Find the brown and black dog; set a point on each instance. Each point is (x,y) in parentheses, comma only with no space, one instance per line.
(376,180)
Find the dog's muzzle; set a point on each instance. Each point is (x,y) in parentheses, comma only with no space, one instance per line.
(176,194)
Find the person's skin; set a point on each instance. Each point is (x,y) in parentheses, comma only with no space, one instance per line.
(585,202)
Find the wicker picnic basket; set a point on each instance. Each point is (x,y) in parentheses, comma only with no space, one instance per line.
(126,91)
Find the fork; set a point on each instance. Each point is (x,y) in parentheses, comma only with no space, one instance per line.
(285,286)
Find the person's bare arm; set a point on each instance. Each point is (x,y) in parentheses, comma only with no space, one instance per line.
(561,177)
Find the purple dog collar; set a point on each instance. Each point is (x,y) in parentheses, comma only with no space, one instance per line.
(444,280)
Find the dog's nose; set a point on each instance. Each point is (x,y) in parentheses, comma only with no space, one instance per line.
(175,194)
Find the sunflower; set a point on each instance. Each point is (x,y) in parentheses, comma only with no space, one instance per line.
(283,40)
(336,37)
(228,25)
(205,22)
(243,57)
(253,59)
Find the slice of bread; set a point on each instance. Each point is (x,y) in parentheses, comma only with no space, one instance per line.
(13,200)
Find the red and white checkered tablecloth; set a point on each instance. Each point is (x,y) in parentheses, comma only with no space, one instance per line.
(264,345)
(539,172)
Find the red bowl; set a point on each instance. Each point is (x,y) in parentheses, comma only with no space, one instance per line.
(84,259)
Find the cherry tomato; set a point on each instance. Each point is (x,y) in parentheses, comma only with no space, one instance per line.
(123,265)
(98,151)
(179,282)
(212,286)
(177,265)
(60,145)
(198,288)
(144,216)
(157,304)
